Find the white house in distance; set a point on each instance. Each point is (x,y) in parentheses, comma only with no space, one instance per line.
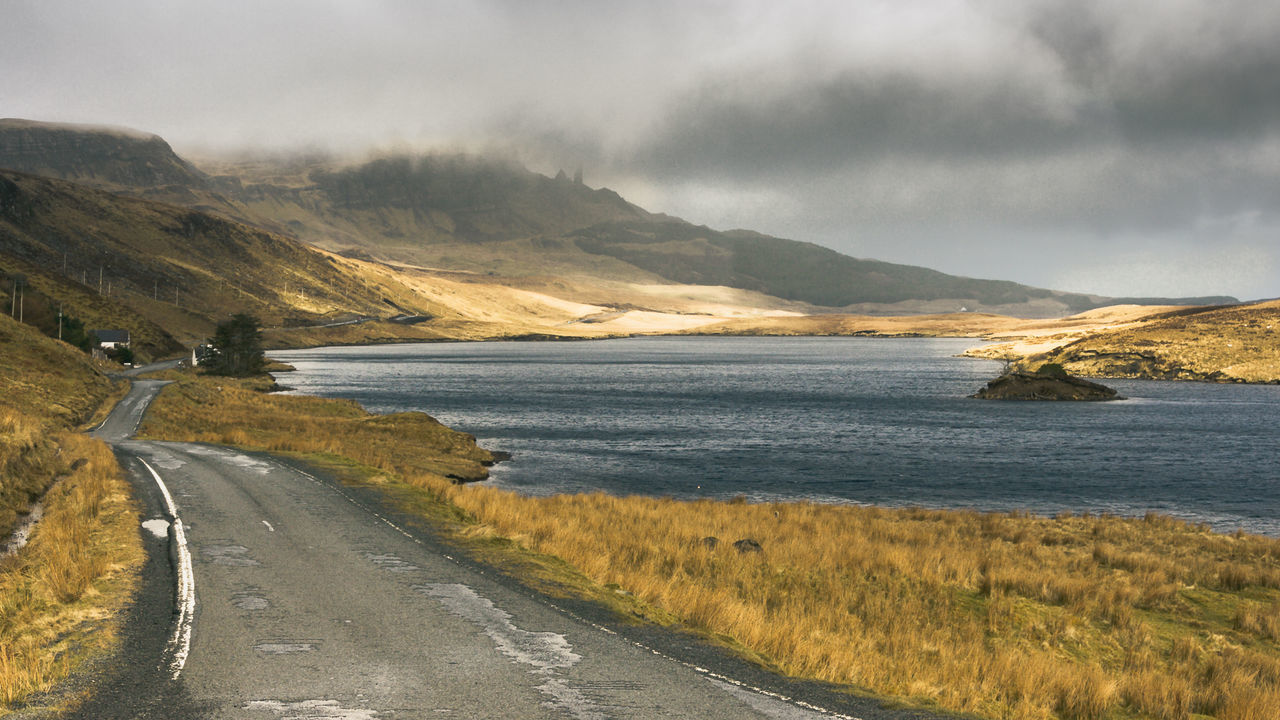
(111,339)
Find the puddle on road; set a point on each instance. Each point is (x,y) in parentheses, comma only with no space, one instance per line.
(310,710)
(250,601)
(545,652)
(157,526)
(162,459)
(390,563)
(284,648)
(233,555)
(261,467)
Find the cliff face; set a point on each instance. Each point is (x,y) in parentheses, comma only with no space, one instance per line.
(98,156)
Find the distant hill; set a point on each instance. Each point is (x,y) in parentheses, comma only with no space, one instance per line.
(481,215)
(100,156)
(488,216)
(471,199)
(166,273)
(169,274)
(802,271)
(1237,343)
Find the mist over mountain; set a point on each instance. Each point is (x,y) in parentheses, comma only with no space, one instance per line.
(486,215)
(95,155)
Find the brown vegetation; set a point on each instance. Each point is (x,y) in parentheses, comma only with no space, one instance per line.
(237,412)
(59,594)
(1238,343)
(1007,616)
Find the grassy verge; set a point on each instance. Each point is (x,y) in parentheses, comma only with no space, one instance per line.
(1005,616)
(60,593)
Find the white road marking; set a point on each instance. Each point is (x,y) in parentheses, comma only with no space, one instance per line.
(264,522)
(179,644)
(768,706)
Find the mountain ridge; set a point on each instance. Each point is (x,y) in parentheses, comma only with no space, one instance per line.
(492,216)
(98,155)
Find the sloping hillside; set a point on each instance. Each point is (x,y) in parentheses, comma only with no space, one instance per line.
(175,268)
(1235,344)
(793,270)
(168,274)
(480,215)
(100,156)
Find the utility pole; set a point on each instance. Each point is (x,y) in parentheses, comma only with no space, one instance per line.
(155,291)
(17,302)
(99,278)
(59,321)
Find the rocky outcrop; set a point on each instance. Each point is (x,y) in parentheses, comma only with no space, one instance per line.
(96,155)
(1028,386)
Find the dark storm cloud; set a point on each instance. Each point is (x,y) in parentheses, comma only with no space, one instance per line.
(1092,89)
(1181,71)
(942,132)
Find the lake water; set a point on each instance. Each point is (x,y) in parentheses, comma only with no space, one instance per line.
(860,420)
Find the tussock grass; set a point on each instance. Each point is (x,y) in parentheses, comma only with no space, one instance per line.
(58,594)
(1235,343)
(238,412)
(1002,615)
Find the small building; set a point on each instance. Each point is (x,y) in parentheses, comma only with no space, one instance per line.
(202,354)
(111,339)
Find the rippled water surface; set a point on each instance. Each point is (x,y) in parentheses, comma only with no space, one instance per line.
(864,420)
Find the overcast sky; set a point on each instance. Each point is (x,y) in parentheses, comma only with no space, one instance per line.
(1120,148)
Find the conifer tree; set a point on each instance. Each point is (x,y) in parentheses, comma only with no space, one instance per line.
(236,347)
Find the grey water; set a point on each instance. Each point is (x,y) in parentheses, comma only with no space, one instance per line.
(844,420)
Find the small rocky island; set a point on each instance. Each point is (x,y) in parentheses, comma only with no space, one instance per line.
(1050,382)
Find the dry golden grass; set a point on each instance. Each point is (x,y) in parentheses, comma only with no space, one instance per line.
(403,443)
(58,593)
(1003,615)
(1237,344)
(1006,616)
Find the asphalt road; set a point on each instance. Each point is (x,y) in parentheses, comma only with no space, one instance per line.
(272,592)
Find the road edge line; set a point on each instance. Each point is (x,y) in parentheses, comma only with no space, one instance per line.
(179,645)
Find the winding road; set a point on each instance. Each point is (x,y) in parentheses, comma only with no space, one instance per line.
(272,592)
